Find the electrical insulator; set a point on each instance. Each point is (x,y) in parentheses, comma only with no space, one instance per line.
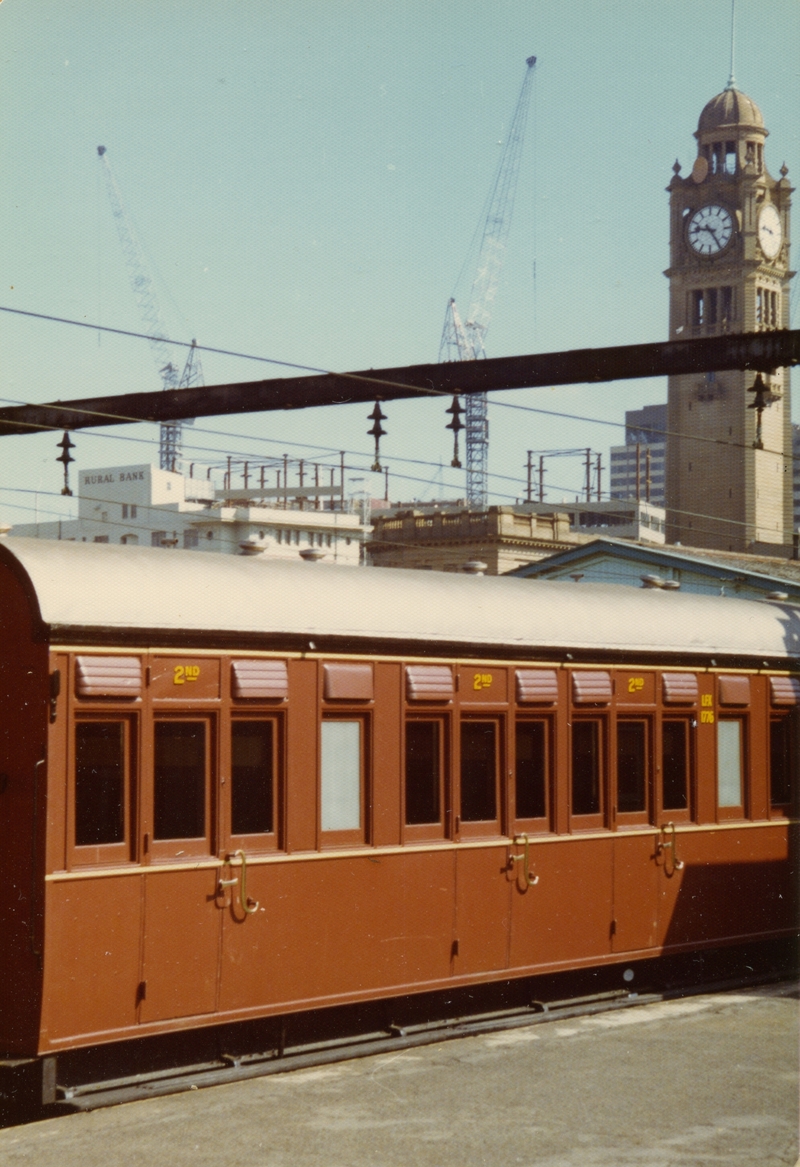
(66,445)
(763,398)
(377,432)
(455,425)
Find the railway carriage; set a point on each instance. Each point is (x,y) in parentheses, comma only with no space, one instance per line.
(232,789)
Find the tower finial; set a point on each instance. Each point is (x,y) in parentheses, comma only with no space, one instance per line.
(732,80)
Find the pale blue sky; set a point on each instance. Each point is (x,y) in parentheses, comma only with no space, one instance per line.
(307,176)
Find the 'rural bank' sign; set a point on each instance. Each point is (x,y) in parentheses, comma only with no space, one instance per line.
(122,476)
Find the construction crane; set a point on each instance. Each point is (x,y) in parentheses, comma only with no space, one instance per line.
(170,436)
(463,340)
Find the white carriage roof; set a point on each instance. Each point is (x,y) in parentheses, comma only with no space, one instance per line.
(84,586)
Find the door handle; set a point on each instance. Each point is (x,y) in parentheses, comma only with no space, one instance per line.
(528,878)
(241,879)
(666,843)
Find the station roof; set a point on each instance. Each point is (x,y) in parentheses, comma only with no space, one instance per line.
(723,571)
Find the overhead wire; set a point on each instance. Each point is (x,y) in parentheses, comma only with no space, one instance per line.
(423,391)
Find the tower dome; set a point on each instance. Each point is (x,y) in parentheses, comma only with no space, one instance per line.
(730,110)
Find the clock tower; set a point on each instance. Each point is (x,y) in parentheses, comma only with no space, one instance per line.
(729,462)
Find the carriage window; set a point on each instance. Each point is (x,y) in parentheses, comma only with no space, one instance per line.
(729,763)
(423,772)
(631,766)
(780,769)
(252,777)
(532,769)
(478,771)
(586,767)
(179,776)
(341,775)
(100,794)
(674,765)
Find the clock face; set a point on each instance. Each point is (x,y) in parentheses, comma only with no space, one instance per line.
(710,229)
(770,233)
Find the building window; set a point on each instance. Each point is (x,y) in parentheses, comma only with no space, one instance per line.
(191,538)
(157,538)
(101,538)
(697,312)
(711,306)
(130,540)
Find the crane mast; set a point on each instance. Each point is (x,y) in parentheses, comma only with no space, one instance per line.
(170,433)
(464,340)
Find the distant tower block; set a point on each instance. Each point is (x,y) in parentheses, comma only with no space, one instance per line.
(729,272)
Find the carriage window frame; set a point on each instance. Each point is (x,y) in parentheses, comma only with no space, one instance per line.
(346,836)
(184,848)
(678,814)
(482,827)
(642,816)
(594,819)
(272,839)
(105,853)
(535,823)
(436,828)
(777,807)
(733,810)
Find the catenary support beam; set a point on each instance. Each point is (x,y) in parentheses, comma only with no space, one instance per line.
(756,350)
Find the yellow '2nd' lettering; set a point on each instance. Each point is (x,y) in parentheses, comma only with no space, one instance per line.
(184,673)
(482,681)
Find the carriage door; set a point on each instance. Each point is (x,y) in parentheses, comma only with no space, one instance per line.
(483,891)
(181,917)
(634,920)
(684,706)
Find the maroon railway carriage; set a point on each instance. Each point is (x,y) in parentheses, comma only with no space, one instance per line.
(231,788)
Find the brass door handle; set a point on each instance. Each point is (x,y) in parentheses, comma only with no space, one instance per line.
(528,878)
(241,879)
(666,843)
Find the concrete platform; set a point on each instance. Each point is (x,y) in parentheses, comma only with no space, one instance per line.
(709,1080)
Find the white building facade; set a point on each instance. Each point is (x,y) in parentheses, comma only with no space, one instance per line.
(146,505)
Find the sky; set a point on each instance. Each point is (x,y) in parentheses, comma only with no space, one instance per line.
(306,179)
